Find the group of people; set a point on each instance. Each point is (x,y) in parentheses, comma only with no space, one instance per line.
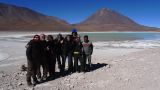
(44,51)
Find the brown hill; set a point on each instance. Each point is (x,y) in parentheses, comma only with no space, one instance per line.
(20,18)
(108,20)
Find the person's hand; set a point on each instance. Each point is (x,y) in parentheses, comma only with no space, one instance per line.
(61,41)
(26,46)
(47,48)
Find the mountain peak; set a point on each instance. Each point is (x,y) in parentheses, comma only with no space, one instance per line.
(108,16)
(103,11)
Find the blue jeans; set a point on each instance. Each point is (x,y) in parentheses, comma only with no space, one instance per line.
(70,62)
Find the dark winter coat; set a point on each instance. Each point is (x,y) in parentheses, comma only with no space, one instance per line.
(67,47)
(78,48)
(34,50)
(51,48)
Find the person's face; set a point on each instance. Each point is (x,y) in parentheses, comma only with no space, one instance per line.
(36,38)
(78,39)
(59,37)
(68,38)
(49,38)
(85,39)
(74,34)
(42,37)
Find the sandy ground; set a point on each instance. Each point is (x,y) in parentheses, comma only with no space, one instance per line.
(113,69)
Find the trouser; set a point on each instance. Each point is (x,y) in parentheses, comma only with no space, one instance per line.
(87,58)
(31,71)
(77,58)
(59,58)
(43,63)
(70,62)
(51,65)
(83,64)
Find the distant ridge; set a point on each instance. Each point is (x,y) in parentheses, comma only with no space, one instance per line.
(21,18)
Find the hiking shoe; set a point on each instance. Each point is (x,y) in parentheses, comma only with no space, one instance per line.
(44,78)
(30,84)
(35,82)
(39,80)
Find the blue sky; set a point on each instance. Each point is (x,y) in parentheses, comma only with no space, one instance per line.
(145,12)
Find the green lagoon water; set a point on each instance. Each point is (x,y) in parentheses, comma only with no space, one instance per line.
(124,39)
(122,36)
(105,39)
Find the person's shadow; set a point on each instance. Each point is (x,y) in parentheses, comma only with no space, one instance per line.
(97,66)
(66,73)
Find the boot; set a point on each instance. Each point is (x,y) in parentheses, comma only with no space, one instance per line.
(30,84)
(35,81)
(44,78)
(39,80)
(28,79)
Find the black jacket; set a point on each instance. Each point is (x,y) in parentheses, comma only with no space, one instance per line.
(44,47)
(51,48)
(78,48)
(34,50)
(58,45)
(67,47)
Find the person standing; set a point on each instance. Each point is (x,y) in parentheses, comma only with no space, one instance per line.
(67,52)
(58,43)
(88,50)
(33,53)
(51,54)
(78,51)
(43,61)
